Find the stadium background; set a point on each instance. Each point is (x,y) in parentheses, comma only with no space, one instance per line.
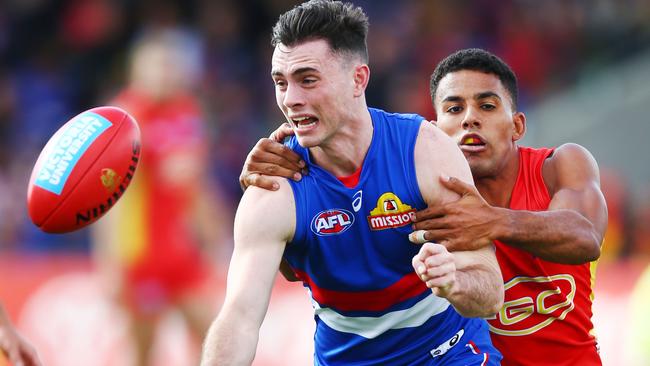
(584,72)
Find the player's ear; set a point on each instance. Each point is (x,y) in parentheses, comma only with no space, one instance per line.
(361,78)
(518,126)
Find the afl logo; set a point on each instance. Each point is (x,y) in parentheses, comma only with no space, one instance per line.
(332,222)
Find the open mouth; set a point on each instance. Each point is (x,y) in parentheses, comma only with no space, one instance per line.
(472,143)
(304,122)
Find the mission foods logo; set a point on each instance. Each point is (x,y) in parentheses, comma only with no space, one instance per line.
(390,213)
(332,222)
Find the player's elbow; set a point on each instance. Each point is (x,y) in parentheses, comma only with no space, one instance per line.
(589,249)
(490,304)
(486,310)
(496,300)
(584,248)
(496,304)
(592,250)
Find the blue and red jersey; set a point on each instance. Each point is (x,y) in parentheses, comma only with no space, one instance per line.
(352,252)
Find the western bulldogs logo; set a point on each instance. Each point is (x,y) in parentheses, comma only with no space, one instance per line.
(332,222)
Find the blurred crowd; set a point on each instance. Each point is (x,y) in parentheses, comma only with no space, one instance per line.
(58,58)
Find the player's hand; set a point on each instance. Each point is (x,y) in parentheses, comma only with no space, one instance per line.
(465,224)
(270,157)
(17,349)
(435,266)
(281,133)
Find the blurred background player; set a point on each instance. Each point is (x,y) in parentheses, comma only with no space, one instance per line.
(153,248)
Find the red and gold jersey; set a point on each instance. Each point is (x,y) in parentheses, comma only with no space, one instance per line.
(546,317)
(156,229)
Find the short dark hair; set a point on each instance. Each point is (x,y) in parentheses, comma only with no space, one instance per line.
(478,60)
(343,25)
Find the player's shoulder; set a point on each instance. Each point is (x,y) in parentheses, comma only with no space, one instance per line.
(395,115)
(571,150)
(569,162)
(433,137)
(268,212)
(434,148)
(259,196)
(257,202)
(438,154)
(569,154)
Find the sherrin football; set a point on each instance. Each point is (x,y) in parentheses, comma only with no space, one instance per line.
(83,170)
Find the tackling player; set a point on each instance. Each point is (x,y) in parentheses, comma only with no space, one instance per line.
(542,207)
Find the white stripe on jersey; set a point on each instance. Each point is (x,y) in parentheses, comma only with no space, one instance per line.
(371,327)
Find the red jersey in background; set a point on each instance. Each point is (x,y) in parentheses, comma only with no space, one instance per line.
(156,233)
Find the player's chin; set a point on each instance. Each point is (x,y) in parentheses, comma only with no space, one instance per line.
(482,169)
(308,141)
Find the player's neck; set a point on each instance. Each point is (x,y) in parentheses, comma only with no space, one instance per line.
(343,153)
(497,189)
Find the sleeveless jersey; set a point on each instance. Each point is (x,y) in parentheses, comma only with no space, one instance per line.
(546,317)
(351,251)
(155,238)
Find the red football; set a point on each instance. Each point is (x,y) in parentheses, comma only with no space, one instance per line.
(83,170)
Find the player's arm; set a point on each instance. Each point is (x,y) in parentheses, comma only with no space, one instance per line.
(12,344)
(470,280)
(261,233)
(572,229)
(270,158)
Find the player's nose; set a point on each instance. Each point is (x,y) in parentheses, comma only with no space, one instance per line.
(471,119)
(293,97)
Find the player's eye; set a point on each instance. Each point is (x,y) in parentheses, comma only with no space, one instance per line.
(454,109)
(488,107)
(280,83)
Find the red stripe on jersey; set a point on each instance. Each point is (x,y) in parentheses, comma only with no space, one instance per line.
(472,346)
(351,181)
(407,287)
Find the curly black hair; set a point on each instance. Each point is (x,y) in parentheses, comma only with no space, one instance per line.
(478,60)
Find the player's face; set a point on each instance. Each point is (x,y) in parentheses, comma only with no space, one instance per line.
(475,109)
(314,89)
